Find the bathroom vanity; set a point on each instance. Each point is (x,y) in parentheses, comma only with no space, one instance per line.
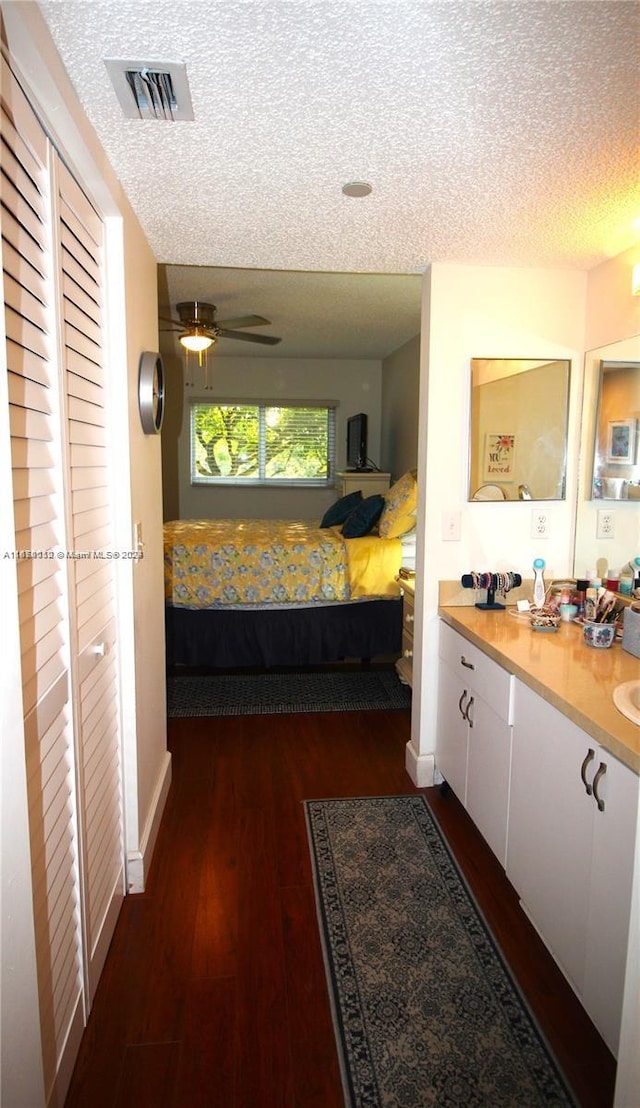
(530,741)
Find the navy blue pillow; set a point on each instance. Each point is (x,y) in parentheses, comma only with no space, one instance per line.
(363,518)
(338,512)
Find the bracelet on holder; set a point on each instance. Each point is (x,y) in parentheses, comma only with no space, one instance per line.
(492,582)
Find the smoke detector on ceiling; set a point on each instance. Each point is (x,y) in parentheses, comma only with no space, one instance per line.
(151,90)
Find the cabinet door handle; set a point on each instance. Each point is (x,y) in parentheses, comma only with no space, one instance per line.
(468,665)
(462,710)
(469,707)
(590,755)
(602,769)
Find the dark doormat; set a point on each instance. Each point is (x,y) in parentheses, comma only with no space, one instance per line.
(281,693)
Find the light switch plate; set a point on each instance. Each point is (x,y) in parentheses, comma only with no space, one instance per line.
(451,526)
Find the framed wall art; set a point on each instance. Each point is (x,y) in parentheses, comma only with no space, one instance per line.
(499,457)
(621,441)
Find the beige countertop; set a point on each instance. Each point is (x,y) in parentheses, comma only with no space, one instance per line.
(577,679)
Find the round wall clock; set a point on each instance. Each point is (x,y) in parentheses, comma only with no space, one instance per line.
(151,392)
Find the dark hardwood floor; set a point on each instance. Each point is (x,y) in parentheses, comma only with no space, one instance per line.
(214,992)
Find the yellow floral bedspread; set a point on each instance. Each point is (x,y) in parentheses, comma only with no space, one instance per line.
(212,563)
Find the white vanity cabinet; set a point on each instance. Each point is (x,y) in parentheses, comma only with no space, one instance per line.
(473,737)
(571,841)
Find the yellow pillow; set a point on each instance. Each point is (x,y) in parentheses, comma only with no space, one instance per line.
(398,514)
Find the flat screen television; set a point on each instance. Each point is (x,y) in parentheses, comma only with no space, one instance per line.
(357,441)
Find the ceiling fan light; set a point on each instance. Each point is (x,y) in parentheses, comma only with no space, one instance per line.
(197,342)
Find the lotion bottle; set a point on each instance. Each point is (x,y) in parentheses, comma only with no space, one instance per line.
(628,576)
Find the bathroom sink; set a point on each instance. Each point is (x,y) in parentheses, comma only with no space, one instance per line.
(627,700)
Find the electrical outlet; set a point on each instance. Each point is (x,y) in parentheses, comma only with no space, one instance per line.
(606,524)
(451,526)
(539,524)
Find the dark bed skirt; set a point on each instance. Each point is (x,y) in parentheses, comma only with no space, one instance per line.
(292,637)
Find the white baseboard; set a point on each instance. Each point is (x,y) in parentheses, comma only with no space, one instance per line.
(138,861)
(420,767)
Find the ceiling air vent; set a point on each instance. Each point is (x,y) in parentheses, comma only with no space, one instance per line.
(151,90)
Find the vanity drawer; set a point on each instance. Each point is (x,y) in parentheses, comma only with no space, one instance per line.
(489,680)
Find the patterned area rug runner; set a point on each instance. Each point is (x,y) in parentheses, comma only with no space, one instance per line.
(280,693)
(426,1011)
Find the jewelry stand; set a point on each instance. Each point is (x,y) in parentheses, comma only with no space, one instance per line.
(491,581)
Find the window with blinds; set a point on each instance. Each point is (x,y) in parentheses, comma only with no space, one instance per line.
(263,443)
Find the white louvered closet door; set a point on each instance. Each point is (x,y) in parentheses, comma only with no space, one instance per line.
(52,277)
(92,568)
(38,491)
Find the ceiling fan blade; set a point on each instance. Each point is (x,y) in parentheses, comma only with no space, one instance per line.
(266,340)
(243,321)
(168,319)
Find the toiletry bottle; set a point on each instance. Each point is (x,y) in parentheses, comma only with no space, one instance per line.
(625,584)
(580,594)
(629,577)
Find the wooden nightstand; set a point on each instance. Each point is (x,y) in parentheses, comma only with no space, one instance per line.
(404,665)
(370,483)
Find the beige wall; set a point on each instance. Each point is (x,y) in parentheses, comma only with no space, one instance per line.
(146,738)
(355,385)
(612,313)
(400,388)
(472,312)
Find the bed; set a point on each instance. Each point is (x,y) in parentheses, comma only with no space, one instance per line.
(264,593)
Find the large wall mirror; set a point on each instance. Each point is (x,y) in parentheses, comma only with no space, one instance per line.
(519,414)
(616,458)
(611,400)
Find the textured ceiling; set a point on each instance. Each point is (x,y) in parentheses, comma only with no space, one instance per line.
(491,132)
(317,315)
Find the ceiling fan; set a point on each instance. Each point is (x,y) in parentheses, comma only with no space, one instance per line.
(200,329)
